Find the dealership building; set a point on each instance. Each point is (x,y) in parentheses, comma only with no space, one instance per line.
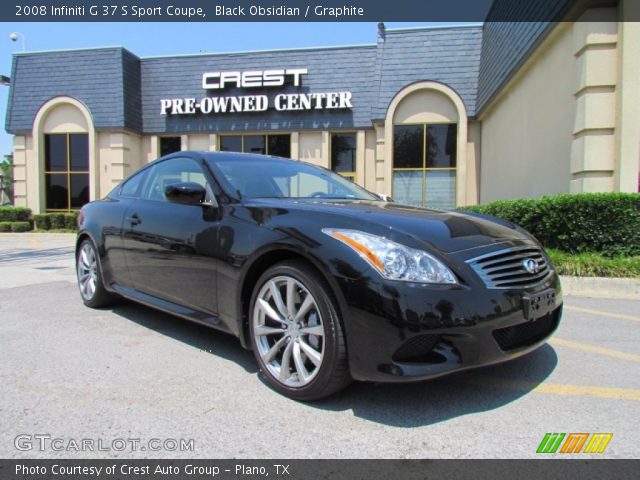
(438,117)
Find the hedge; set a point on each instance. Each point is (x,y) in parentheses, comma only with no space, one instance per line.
(20,226)
(57,220)
(15,226)
(42,221)
(48,221)
(606,223)
(15,214)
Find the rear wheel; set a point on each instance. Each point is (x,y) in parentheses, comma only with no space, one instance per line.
(89,276)
(296,333)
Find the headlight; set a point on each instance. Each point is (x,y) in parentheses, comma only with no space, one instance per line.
(393,260)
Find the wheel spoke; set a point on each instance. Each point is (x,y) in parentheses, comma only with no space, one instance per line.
(273,351)
(313,330)
(90,287)
(84,259)
(264,330)
(291,297)
(304,308)
(286,360)
(269,311)
(311,354)
(277,298)
(303,374)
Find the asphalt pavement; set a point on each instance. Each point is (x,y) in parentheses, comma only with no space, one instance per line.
(129,381)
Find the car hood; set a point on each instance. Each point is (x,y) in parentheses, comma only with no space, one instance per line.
(446,230)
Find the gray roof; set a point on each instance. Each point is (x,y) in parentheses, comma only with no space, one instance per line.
(94,77)
(447,55)
(123,91)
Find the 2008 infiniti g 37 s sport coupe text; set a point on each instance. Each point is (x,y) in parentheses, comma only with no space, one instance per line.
(323,280)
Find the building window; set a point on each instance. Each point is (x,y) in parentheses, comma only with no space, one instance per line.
(277,145)
(66,165)
(343,154)
(424,165)
(170,145)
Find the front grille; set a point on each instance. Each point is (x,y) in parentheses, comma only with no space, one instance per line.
(525,334)
(506,268)
(418,350)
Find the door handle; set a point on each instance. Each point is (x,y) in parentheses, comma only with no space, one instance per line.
(134,219)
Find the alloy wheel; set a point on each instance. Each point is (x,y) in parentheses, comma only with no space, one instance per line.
(288,331)
(87,271)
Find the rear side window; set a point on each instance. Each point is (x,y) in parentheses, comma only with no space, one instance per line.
(131,187)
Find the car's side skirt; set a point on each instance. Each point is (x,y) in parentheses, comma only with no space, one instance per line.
(170,307)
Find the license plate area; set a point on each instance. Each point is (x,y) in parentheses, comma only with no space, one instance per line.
(539,304)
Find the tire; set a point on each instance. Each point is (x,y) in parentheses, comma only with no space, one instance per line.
(89,276)
(304,358)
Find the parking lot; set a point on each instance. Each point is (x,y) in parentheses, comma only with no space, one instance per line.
(130,372)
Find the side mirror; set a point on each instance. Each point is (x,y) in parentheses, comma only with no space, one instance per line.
(186,193)
(385,198)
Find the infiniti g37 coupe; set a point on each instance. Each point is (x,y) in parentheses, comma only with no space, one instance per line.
(323,280)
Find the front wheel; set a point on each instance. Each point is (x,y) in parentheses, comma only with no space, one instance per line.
(89,276)
(296,333)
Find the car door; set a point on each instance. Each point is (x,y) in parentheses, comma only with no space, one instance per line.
(170,247)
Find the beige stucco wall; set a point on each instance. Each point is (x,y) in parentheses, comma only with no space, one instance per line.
(568,120)
(527,133)
(628,100)
(119,155)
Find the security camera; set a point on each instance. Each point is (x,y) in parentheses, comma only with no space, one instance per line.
(13,36)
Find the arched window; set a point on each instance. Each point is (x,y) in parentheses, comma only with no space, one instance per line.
(426,146)
(63,138)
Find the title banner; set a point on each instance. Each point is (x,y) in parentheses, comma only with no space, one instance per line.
(281,10)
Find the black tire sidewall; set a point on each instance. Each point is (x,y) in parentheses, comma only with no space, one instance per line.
(317,388)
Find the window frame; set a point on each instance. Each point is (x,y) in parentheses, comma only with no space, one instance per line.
(353,174)
(424,169)
(68,172)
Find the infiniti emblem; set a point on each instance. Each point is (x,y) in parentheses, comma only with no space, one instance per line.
(530,265)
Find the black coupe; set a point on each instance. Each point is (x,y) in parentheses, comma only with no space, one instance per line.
(323,280)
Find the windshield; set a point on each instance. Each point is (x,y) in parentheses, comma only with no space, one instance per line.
(267,177)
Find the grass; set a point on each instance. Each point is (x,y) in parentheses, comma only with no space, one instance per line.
(594,265)
(55,230)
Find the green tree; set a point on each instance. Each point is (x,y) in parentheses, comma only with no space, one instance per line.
(6,180)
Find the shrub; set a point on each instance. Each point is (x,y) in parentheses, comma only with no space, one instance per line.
(71,220)
(57,220)
(14,214)
(20,226)
(607,223)
(5,226)
(42,221)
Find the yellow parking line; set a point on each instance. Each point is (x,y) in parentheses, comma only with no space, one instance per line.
(561,389)
(595,349)
(601,313)
(35,243)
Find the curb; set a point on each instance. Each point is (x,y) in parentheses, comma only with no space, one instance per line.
(601,287)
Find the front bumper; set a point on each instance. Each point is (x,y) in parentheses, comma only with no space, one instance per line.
(408,332)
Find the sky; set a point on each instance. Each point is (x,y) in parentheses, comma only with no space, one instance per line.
(150,39)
